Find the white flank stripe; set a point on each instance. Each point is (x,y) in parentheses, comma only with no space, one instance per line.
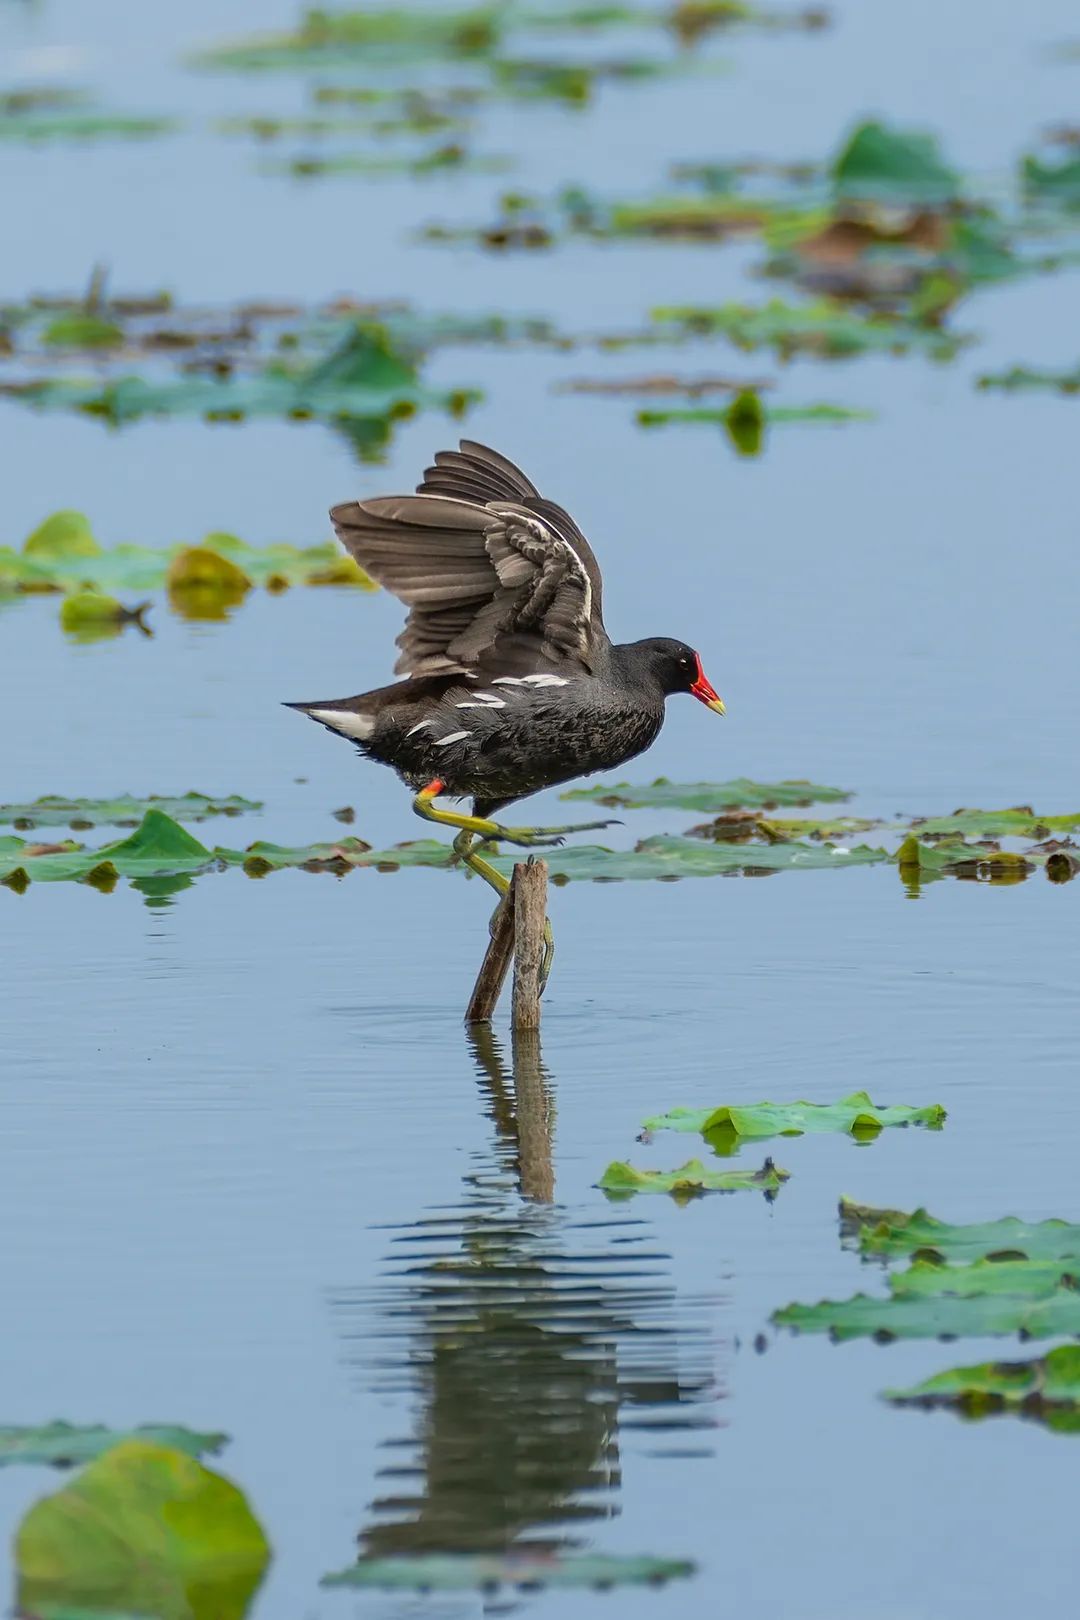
(419,726)
(455,736)
(487,704)
(545,680)
(509,680)
(347,721)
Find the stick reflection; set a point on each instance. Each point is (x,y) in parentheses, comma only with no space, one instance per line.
(530,1338)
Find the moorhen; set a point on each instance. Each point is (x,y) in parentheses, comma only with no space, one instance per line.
(511,681)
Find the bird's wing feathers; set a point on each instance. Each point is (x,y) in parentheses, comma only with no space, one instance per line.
(497,575)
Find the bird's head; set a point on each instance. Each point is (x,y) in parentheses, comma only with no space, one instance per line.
(677,668)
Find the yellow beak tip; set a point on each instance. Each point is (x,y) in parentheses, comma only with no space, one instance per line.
(717,706)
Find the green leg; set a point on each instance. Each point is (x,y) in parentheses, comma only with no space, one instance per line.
(501,885)
(423,804)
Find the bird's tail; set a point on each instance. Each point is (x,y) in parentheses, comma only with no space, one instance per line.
(352,717)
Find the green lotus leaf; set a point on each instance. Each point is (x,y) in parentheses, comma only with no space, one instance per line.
(892,165)
(824,328)
(160,846)
(64,534)
(68,1445)
(892,1234)
(735,424)
(461,1572)
(740,793)
(726,1128)
(937,1316)
(450,155)
(1020,822)
(363,380)
(739,825)
(1057,183)
(1028,1279)
(336,39)
(125,810)
(919,861)
(1023,379)
(143,1530)
(53,564)
(621,1179)
(31,126)
(76,329)
(1046,1389)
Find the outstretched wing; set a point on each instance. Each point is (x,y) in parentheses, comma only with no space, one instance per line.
(492,572)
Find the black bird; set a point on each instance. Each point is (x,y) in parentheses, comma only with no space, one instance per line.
(512,682)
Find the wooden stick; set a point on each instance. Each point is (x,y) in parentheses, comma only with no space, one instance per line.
(495,966)
(530,912)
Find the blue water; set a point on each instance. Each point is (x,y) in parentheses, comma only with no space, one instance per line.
(245,1124)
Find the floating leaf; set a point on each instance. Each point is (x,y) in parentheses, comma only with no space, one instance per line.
(1022,379)
(1026,1279)
(79,330)
(65,534)
(55,810)
(144,1530)
(745,430)
(709,795)
(1046,1389)
(937,1316)
(32,126)
(67,1445)
(160,847)
(918,861)
(692,1178)
(893,165)
(892,1234)
(363,380)
(737,826)
(1019,822)
(203,584)
(1057,183)
(727,1127)
(327,39)
(462,1572)
(63,555)
(91,616)
(823,328)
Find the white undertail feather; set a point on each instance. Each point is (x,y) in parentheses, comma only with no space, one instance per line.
(350,724)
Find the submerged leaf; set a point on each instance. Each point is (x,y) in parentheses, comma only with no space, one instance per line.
(144,1530)
(709,795)
(725,1128)
(67,1445)
(692,1178)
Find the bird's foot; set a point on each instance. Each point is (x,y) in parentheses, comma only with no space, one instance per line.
(540,837)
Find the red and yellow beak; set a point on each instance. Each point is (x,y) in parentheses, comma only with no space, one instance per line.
(704,693)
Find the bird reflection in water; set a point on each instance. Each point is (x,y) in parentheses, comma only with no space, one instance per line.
(532,1337)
